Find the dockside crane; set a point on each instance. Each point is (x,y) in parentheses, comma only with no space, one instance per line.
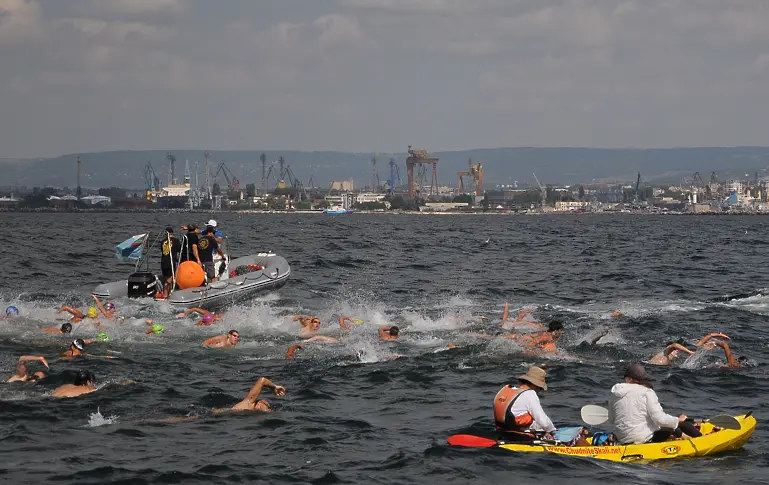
(232,181)
(171,169)
(151,180)
(637,185)
(543,191)
(395,174)
(374,175)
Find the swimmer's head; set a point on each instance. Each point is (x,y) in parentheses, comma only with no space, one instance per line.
(681,341)
(315,323)
(263,405)
(78,344)
(233,336)
(555,326)
(83,378)
(66,328)
(394,331)
(36,376)
(157,328)
(109,306)
(744,361)
(102,337)
(208,318)
(92,312)
(11,311)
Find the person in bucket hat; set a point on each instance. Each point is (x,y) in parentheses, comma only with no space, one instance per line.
(517,410)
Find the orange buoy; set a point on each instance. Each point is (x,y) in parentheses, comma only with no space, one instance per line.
(189,275)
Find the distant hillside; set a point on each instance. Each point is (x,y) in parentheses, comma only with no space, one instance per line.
(501,165)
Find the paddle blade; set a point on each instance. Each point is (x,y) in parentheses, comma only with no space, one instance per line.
(725,421)
(594,415)
(471,441)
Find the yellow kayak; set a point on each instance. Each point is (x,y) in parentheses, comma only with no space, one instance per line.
(711,442)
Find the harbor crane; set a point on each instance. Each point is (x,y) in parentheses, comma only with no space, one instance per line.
(637,185)
(420,157)
(374,175)
(395,174)
(171,174)
(151,180)
(542,190)
(232,182)
(475,173)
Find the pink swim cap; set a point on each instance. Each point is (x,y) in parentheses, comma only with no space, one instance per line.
(208,318)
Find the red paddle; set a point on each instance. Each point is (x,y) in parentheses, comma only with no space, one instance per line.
(472,441)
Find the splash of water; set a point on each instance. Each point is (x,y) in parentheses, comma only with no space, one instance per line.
(97,419)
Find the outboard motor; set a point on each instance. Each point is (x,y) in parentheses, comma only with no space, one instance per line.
(142,285)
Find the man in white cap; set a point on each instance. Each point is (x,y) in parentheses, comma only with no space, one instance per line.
(517,409)
(217,232)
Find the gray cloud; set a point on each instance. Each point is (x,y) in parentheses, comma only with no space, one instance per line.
(376,75)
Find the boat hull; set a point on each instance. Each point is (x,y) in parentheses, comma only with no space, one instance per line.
(707,444)
(275,274)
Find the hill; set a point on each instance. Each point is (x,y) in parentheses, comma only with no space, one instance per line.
(501,165)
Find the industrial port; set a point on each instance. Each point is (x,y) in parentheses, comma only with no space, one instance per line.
(210,185)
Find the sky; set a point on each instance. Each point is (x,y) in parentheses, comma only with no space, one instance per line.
(379,75)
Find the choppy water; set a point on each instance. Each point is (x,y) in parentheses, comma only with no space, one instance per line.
(375,419)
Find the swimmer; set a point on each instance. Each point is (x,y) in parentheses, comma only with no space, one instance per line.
(322,339)
(669,353)
(204,321)
(21,369)
(223,341)
(343,322)
(251,402)
(731,362)
(66,328)
(207,320)
(389,333)
(617,315)
(309,324)
(520,320)
(292,349)
(78,316)
(83,385)
(108,309)
(10,313)
(542,341)
(76,349)
(155,328)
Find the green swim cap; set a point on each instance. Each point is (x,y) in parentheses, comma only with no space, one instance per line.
(102,337)
(157,328)
(357,321)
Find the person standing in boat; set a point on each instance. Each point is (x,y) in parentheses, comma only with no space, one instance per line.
(169,259)
(189,251)
(207,246)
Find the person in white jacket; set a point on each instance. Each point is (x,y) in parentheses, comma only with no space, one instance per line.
(636,414)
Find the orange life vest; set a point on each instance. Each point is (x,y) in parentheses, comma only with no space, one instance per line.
(503,403)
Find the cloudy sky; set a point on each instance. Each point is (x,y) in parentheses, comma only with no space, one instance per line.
(378,75)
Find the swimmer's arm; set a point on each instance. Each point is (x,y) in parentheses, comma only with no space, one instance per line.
(730,360)
(28,358)
(74,311)
(100,305)
(343,320)
(512,336)
(256,390)
(292,349)
(601,335)
(670,348)
(707,338)
(190,310)
(505,315)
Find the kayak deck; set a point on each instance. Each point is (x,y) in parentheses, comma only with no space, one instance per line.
(711,442)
